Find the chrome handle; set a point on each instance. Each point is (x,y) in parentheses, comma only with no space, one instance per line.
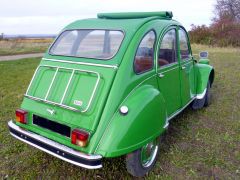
(160,75)
(183,67)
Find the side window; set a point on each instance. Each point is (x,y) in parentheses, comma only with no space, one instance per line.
(145,53)
(167,52)
(183,40)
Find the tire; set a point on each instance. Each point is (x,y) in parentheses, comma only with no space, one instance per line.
(205,101)
(208,95)
(141,161)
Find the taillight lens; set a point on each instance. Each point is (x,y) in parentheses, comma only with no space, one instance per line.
(80,137)
(21,116)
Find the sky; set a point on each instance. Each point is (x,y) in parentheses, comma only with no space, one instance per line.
(51,16)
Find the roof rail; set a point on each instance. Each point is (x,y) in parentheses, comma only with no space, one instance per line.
(135,15)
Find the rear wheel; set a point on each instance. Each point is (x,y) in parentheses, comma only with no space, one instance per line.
(142,160)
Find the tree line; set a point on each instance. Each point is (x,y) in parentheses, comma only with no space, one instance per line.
(224,29)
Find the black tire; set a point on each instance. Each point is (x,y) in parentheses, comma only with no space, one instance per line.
(208,96)
(134,162)
(205,101)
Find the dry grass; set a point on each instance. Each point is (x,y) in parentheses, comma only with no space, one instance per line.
(23,46)
(203,144)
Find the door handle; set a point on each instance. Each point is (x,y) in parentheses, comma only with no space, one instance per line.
(183,67)
(160,75)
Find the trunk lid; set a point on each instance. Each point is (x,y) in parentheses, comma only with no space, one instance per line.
(71,93)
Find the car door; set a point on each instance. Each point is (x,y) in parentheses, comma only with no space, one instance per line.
(186,67)
(168,71)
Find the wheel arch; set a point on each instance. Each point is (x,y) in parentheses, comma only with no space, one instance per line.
(205,73)
(211,77)
(144,121)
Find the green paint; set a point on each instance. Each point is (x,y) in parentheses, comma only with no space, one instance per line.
(150,99)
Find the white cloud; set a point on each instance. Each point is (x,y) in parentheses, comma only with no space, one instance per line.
(50,16)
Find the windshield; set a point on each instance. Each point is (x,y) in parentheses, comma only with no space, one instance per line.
(99,44)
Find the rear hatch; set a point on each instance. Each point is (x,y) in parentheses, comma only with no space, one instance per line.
(69,93)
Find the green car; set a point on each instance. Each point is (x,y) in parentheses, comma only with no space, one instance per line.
(109,86)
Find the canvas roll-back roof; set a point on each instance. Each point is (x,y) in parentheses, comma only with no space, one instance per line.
(136,15)
(126,21)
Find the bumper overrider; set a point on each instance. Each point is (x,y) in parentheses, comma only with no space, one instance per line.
(58,150)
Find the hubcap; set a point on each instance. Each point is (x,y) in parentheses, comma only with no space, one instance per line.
(149,153)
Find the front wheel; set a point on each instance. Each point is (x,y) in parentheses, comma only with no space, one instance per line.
(205,101)
(142,160)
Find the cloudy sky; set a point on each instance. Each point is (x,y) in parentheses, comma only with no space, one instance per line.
(50,16)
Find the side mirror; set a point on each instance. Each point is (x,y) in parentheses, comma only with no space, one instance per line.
(203,55)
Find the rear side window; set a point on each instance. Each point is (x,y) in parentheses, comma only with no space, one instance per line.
(167,53)
(184,49)
(145,53)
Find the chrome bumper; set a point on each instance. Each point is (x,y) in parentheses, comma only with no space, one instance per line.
(58,150)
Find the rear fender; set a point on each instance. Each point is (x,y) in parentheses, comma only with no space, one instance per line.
(144,121)
(205,73)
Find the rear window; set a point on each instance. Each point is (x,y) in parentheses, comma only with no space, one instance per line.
(98,44)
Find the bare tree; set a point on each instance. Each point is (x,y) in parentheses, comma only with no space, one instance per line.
(227,9)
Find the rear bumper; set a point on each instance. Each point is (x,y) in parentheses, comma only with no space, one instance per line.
(58,150)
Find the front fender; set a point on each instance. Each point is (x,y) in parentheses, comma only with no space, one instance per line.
(204,74)
(144,122)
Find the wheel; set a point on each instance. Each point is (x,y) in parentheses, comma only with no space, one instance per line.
(205,101)
(141,161)
(208,95)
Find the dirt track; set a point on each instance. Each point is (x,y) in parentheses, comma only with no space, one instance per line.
(20,56)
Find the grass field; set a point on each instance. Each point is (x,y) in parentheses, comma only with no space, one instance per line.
(23,46)
(198,144)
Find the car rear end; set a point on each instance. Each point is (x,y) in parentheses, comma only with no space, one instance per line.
(62,106)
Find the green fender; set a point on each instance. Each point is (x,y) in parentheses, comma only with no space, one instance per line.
(205,73)
(144,121)
(204,61)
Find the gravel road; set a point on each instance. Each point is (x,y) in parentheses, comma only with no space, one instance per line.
(20,56)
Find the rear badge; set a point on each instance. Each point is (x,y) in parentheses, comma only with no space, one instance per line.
(78,103)
(51,111)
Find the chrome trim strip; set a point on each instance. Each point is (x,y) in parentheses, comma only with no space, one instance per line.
(168,69)
(200,96)
(166,125)
(56,145)
(32,79)
(177,112)
(49,88)
(50,102)
(60,157)
(66,89)
(183,62)
(61,103)
(83,63)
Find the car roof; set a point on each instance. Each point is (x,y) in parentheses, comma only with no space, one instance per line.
(129,21)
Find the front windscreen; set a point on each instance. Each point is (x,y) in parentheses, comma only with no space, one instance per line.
(98,44)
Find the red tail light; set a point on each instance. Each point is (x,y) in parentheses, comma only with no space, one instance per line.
(79,137)
(21,116)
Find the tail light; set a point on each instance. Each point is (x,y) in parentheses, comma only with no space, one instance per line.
(79,137)
(21,116)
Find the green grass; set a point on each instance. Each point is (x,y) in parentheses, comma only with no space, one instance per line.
(199,144)
(25,46)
